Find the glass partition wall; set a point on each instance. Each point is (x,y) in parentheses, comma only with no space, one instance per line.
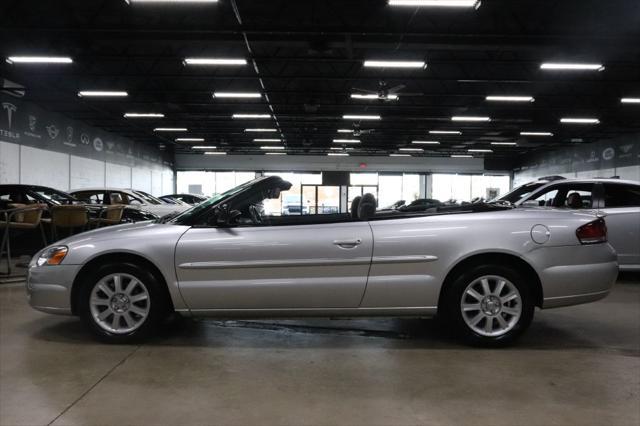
(308,196)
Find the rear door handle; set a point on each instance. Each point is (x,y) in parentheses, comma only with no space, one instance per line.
(348,243)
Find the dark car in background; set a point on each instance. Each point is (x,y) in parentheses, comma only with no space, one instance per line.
(36,194)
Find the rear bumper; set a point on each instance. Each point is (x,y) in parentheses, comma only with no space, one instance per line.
(49,288)
(575,274)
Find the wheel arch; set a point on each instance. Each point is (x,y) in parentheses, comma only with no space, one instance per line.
(116,257)
(498,258)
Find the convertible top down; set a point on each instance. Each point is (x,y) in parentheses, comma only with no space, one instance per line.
(483,273)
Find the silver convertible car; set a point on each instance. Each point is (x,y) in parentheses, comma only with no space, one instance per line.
(483,273)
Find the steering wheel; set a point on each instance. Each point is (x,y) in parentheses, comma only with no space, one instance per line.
(256,218)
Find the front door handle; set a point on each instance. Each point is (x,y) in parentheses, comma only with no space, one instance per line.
(348,243)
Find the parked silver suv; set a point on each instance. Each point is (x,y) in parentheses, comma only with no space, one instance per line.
(618,200)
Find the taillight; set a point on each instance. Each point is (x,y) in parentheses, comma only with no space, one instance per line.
(593,232)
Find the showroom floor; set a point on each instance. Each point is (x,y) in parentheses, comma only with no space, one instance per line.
(578,365)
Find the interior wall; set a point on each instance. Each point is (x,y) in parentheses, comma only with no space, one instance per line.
(21,164)
(618,157)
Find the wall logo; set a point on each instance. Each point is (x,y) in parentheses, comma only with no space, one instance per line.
(98,145)
(608,153)
(33,123)
(69,141)
(84,139)
(10,108)
(110,146)
(53,131)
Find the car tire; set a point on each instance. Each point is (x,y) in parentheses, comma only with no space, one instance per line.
(122,303)
(489,305)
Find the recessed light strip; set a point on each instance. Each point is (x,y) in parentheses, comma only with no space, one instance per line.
(374,97)
(267,140)
(214,61)
(101,93)
(170,129)
(240,95)
(425,142)
(361,117)
(445,132)
(255,116)
(579,120)
(469,118)
(189,139)
(504,143)
(510,98)
(143,115)
(536,134)
(630,100)
(39,60)
(394,64)
(261,130)
(436,3)
(571,66)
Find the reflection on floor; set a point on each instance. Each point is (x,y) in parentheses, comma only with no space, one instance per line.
(578,365)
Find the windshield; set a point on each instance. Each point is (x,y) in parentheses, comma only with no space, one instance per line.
(148,197)
(52,195)
(186,216)
(520,192)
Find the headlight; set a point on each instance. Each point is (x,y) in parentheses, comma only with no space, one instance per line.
(52,256)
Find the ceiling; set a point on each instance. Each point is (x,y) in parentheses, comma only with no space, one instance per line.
(306,58)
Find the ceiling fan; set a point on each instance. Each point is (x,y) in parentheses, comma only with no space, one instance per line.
(384,93)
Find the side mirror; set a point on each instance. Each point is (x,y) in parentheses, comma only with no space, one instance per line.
(225,216)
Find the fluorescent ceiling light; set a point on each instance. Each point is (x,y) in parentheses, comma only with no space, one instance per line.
(580,120)
(215,153)
(411,149)
(143,115)
(536,134)
(479,150)
(511,98)
(345,131)
(346,141)
(275,153)
(170,129)
(436,3)
(469,118)
(426,142)
(572,67)
(251,116)
(214,61)
(338,154)
(373,96)
(461,156)
(272,147)
(361,117)
(236,95)
(395,64)
(261,130)
(445,132)
(203,147)
(39,60)
(190,140)
(170,1)
(505,143)
(267,140)
(399,155)
(630,100)
(89,93)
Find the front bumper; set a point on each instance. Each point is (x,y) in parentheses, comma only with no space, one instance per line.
(49,288)
(572,275)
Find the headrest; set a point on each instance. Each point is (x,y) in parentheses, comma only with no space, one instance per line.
(367,207)
(354,207)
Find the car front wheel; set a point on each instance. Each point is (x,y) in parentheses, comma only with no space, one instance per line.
(489,305)
(122,303)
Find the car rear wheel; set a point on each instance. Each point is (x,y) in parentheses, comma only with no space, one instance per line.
(489,305)
(122,303)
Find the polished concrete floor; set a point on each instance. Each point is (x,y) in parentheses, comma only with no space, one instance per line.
(575,366)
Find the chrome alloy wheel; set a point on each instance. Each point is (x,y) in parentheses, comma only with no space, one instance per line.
(491,305)
(119,303)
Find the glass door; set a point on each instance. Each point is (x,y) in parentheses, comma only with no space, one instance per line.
(319,199)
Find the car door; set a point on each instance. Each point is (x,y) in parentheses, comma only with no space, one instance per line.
(274,267)
(621,205)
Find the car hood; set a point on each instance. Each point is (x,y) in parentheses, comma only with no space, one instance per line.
(131,237)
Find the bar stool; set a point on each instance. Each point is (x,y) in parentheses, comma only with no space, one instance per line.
(21,217)
(109,215)
(70,217)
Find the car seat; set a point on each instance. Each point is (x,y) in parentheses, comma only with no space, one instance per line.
(367,207)
(354,207)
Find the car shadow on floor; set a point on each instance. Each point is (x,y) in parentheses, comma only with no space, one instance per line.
(407,333)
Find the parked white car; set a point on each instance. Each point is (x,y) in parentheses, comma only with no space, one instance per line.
(128,197)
